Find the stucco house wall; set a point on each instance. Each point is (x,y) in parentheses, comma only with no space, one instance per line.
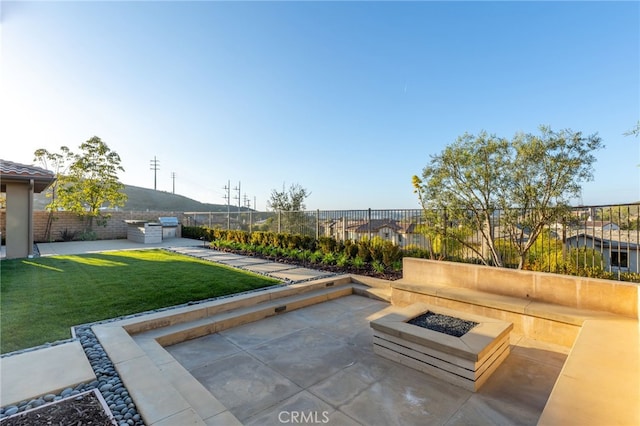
(17,220)
(609,249)
(19,182)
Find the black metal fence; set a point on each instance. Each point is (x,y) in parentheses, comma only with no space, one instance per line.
(605,237)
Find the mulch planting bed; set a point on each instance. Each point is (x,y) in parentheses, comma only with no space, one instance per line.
(368,270)
(83,409)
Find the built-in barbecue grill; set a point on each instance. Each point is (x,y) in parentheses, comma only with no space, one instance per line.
(169,227)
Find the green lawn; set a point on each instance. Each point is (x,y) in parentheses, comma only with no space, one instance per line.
(40,299)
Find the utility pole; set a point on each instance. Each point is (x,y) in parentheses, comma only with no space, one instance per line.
(155,166)
(173,177)
(237,197)
(247,204)
(227,196)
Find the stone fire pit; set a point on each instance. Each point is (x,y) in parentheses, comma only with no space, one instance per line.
(466,361)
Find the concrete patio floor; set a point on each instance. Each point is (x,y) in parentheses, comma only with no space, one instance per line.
(318,362)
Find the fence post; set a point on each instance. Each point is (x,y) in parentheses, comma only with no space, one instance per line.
(344,227)
(369,223)
(444,242)
(563,253)
(317,224)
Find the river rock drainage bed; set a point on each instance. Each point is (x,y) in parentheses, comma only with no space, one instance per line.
(461,348)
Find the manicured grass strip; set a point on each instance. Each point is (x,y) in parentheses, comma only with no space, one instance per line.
(42,298)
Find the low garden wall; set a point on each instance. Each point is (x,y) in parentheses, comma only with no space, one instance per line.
(66,224)
(616,297)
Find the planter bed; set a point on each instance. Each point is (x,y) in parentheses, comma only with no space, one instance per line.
(87,408)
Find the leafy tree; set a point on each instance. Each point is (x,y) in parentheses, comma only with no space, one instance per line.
(547,253)
(635,130)
(627,217)
(501,188)
(443,239)
(288,200)
(87,181)
(290,205)
(59,163)
(459,189)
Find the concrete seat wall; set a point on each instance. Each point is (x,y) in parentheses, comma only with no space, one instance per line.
(615,297)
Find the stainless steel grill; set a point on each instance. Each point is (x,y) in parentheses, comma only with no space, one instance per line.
(169,227)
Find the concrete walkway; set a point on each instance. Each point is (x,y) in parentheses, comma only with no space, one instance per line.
(49,369)
(80,247)
(315,361)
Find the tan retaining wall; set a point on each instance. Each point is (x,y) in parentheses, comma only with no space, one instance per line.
(115,228)
(616,297)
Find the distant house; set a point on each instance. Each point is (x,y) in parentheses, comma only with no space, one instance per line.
(339,228)
(600,225)
(556,229)
(413,237)
(400,234)
(620,254)
(386,229)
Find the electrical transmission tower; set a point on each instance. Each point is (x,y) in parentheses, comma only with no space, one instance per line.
(155,166)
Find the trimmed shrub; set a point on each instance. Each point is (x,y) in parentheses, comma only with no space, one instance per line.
(329,259)
(327,244)
(364,251)
(350,249)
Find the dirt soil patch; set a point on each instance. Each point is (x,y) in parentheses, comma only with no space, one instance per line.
(83,409)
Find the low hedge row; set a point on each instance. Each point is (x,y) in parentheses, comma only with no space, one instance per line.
(379,253)
(324,249)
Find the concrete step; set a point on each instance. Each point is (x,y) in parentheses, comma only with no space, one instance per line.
(223,320)
(207,309)
(142,355)
(383,294)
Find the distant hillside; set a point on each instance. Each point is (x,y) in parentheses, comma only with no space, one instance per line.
(142,199)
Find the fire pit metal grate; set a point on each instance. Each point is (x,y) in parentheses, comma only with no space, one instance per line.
(443,323)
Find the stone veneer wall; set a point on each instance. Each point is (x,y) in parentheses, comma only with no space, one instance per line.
(144,233)
(617,297)
(115,228)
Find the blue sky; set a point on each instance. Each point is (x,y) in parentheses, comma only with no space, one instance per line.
(348,99)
